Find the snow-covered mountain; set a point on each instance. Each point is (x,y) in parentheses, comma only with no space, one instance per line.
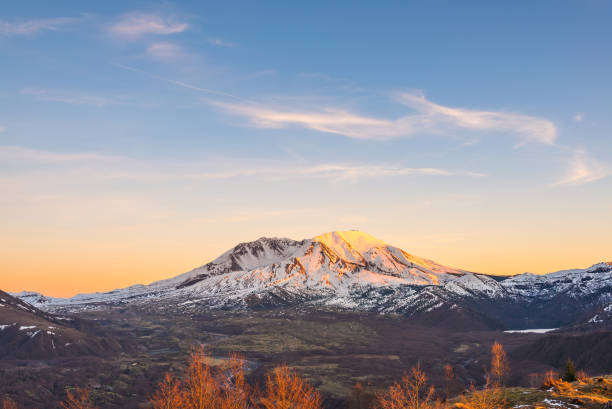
(353,270)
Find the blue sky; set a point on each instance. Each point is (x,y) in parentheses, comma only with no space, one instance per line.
(156,135)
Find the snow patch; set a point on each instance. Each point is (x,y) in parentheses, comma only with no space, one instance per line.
(530,331)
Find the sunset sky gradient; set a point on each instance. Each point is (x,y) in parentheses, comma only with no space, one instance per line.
(140,140)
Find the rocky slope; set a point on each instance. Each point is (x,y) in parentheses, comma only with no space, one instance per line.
(29,333)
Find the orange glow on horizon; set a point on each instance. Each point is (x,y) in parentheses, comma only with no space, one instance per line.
(66,269)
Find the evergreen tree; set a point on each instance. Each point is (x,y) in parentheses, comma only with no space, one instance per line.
(570,371)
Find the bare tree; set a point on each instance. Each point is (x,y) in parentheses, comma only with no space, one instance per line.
(168,395)
(286,390)
(236,393)
(201,387)
(411,393)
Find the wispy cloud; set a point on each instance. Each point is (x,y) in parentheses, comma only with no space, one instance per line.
(30,27)
(579,117)
(427,118)
(2,128)
(72,98)
(584,169)
(102,166)
(166,51)
(179,83)
(528,128)
(342,172)
(221,43)
(136,24)
(25,155)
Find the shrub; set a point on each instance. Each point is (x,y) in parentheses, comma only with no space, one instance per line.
(411,393)
(286,390)
(208,387)
(491,397)
(8,403)
(77,399)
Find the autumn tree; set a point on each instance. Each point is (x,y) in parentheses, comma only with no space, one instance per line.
(236,393)
(449,376)
(8,403)
(500,368)
(79,399)
(205,386)
(412,392)
(201,389)
(168,395)
(287,390)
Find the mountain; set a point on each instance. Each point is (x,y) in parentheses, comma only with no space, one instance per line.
(29,333)
(353,270)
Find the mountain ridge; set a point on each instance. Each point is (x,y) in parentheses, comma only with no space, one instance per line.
(353,270)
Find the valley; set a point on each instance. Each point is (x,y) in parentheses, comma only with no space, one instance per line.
(339,309)
(333,350)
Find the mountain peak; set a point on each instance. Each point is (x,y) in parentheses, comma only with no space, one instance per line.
(357,240)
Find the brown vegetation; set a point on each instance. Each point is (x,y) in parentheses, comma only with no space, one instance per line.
(77,399)
(286,390)
(205,386)
(449,376)
(225,387)
(213,383)
(491,397)
(411,392)
(8,403)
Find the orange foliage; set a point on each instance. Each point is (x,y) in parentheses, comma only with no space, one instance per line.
(558,384)
(77,400)
(491,397)
(550,379)
(500,368)
(8,403)
(169,395)
(582,376)
(411,393)
(286,390)
(449,375)
(236,392)
(208,387)
(201,388)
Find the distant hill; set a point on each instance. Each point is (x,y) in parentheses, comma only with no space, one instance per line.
(29,333)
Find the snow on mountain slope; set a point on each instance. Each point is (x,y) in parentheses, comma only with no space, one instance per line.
(575,282)
(348,269)
(27,332)
(337,262)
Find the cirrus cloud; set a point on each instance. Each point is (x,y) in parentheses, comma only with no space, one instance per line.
(136,24)
(427,118)
(105,167)
(31,27)
(584,169)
